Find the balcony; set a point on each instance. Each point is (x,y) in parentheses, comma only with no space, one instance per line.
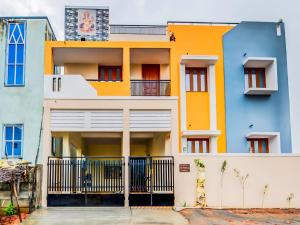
(150,87)
(67,87)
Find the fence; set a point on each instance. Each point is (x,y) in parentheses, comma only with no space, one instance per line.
(86,175)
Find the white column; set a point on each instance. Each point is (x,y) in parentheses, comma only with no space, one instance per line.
(182,98)
(126,151)
(174,130)
(212,97)
(46,147)
(184,145)
(182,103)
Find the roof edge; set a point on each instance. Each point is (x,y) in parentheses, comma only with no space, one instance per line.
(31,18)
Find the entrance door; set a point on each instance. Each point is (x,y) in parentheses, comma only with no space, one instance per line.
(151,76)
(138,174)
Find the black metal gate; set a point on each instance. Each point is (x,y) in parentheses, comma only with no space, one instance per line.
(151,181)
(86,181)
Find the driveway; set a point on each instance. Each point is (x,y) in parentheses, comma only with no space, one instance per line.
(107,216)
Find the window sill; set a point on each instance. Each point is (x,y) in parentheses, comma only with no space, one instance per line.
(13,157)
(7,85)
(259,91)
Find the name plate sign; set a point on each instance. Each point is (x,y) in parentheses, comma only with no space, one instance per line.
(184,168)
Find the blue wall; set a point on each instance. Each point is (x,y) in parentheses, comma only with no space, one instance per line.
(266,113)
(23,105)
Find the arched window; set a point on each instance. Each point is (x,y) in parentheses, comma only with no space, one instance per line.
(15,54)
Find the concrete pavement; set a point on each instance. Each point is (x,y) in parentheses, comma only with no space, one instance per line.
(107,216)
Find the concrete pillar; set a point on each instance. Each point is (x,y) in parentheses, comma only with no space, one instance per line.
(182,98)
(126,151)
(174,135)
(212,97)
(66,145)
(126,69)
(46,147)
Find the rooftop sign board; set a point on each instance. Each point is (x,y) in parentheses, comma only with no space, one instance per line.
(86,23)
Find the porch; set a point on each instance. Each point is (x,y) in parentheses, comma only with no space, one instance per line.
(107,128)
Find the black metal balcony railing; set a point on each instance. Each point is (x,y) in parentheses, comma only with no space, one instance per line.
(150,87)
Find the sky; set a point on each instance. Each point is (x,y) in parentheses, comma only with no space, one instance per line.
(161,11)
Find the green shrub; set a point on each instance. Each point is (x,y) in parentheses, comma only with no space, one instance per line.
(10,210)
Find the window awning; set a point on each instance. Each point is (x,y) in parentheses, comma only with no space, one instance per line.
(262,134)
(198,60)
(258,62)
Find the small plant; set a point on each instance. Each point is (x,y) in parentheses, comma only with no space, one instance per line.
(223,169)
(199,163)
(290,198)
(266,189)
(184,204)
(242,180)
(10,209)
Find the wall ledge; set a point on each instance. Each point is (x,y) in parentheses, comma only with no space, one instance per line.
(238,155)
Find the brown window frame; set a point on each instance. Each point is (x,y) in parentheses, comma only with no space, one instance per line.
(201,140)
(249,72)
(188,71)
(106,73)
(259,140)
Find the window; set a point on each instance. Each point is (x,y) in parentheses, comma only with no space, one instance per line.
(15,54)
(258,145)
(110,73)
(196,79)
(56,84)
(255,77)
(13,141)
(198,145)
(260,75)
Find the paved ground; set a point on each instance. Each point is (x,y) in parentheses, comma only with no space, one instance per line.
(107,216)
(242,217)
(161,216)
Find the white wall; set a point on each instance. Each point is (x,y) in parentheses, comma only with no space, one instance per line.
(281,173)
(70,84)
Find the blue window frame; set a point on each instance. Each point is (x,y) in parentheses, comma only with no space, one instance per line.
(15,55)
(13,140)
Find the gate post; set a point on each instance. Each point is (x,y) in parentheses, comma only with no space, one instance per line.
(46,147)
(126,153)
(126,181)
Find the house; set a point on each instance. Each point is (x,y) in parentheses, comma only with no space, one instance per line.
(21,67)
(22,42)
(258,105)
(127,109)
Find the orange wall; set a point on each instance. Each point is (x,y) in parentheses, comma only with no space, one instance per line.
(190,39)
(201,40)
(103,88)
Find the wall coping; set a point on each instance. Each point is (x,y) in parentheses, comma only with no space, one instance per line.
(266,155)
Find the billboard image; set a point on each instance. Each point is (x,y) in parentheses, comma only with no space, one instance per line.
(86,22)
